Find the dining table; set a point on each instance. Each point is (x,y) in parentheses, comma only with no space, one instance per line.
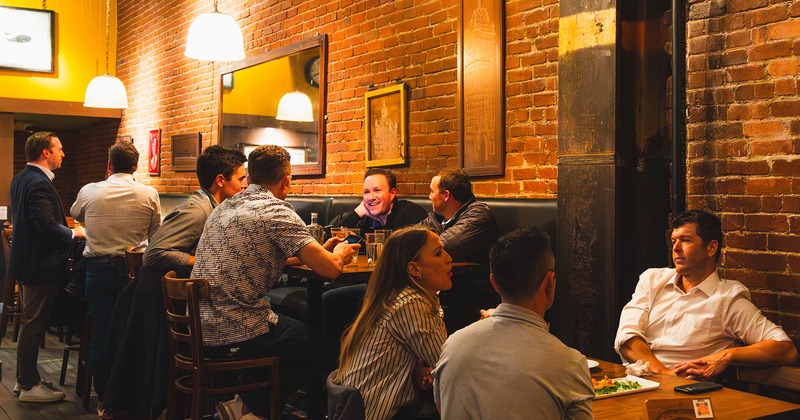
(354,273)
(726,403)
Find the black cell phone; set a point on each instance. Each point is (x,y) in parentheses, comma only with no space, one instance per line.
(352,239)
(698,388)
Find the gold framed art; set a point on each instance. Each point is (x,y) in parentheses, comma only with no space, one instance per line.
(385,126)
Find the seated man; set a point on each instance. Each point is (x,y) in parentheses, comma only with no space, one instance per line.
(687,321)
(468,230)
(509,363)
(380,208)
(138,375)
(242,252)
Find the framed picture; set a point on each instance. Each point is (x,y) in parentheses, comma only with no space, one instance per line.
(297,155)
(154,152)
(385,126)
(480,93)
(185,151)
(27,39)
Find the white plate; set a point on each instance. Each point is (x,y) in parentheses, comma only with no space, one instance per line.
(646,384)
(592,363)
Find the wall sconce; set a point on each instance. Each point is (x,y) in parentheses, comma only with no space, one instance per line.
(295,106)
(106,91)
(214,36)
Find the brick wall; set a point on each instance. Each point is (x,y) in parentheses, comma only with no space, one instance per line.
(370,42)
(744,125)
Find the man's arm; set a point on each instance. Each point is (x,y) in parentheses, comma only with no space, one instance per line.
(474,229)
(765,353)
(325,263)
(637,349)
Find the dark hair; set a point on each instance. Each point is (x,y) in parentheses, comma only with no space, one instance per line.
(267,164)
(390,178)
(387,280)
(709,227)
(216,160)
(457,182)
(520,260)
(36,143)
(123,157)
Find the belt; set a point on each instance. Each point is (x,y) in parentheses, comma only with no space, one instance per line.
(105,259)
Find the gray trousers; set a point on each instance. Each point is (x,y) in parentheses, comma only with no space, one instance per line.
(37,305)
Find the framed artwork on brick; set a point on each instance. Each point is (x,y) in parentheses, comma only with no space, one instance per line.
(185,151)
(480,94)
(154,152)
(386,139)
(26,39)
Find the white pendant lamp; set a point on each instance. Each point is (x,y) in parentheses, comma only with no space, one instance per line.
(215,36)
(106,91)
(295,106)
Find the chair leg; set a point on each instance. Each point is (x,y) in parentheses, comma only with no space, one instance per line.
(64,365)
(275,400)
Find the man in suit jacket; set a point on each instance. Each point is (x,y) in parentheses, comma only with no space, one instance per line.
(38,256)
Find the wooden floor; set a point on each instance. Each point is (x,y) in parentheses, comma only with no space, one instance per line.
(50,369)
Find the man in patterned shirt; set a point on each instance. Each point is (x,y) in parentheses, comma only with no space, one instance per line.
(243,249)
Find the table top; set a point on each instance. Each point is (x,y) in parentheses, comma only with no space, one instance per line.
(359,271)
(726,403)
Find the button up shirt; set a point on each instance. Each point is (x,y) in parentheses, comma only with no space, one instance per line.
(681,326)
(242,251)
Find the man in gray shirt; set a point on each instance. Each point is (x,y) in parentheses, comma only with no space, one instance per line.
(512,351)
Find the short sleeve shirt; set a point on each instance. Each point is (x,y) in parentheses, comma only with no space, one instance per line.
(242,252)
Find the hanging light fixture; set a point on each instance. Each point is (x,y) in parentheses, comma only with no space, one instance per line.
(214,36)
(106,91)
(295,106)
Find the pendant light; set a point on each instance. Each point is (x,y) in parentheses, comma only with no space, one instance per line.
(215,36)
(106,91)
(295,106)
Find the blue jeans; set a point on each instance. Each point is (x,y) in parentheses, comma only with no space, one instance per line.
(290,340)
(104,280)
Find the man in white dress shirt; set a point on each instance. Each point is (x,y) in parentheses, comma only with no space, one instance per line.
(687,321)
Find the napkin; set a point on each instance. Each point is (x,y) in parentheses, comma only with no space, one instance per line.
(639,368)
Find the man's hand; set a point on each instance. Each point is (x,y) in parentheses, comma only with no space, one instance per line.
(706,368)
(79,232)
(331,243)
(346,251)
(486,313)
(361,210)
(422,376)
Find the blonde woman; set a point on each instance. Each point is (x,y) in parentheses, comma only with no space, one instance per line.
(400,325)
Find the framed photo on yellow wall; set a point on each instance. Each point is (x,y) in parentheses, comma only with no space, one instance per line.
(385,126)
(26,39)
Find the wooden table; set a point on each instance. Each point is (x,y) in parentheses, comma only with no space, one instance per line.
(353,273)
(726,403)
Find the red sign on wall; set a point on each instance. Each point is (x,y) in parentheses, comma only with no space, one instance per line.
(153,155)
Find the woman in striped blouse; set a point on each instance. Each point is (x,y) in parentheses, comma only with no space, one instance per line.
(399,325)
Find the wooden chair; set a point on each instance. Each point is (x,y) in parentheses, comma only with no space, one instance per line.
(785,377)
(12,303)
(133,261)
(199,375)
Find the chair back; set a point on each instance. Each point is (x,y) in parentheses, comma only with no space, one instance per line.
(133,261)
(344,402)
(785,377)
(6,243)
(182,302)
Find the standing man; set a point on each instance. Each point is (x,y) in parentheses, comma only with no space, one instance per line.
(687,321)
(243,249)
(137,377)
(38,256)
(510,363)
(380,208)
(118,212)
(468,230)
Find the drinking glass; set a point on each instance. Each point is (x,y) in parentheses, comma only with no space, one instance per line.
(374,246)
(339,232)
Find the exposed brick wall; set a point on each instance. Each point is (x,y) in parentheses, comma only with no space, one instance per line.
(370,42)
(743,142)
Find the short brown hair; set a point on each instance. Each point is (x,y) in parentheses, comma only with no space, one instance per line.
(123,157)
(38,142)
(267,164)
(457,182)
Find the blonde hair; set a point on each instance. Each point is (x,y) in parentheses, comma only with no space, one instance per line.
(387,280)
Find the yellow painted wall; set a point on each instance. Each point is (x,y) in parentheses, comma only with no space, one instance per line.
(80,51)
(258,89)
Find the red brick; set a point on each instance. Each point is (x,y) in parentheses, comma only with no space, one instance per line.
(744,73)
(755,260)
(745,240)
(784,67)
(766,223)
(789,243)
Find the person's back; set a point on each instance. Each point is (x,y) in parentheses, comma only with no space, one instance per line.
(509,364)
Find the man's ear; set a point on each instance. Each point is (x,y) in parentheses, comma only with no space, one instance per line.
(219,179)
(712,247)
(549,284)
(286,181)
(491,280)
(447,196)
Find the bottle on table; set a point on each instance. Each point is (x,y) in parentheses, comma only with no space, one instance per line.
(316,230)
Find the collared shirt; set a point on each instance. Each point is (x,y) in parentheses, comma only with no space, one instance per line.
(44,169)
(242,252)
(509,366)
(680,326)
(382,367)
(118,212)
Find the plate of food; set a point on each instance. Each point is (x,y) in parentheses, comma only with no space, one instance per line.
(592,363)
(607,388)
